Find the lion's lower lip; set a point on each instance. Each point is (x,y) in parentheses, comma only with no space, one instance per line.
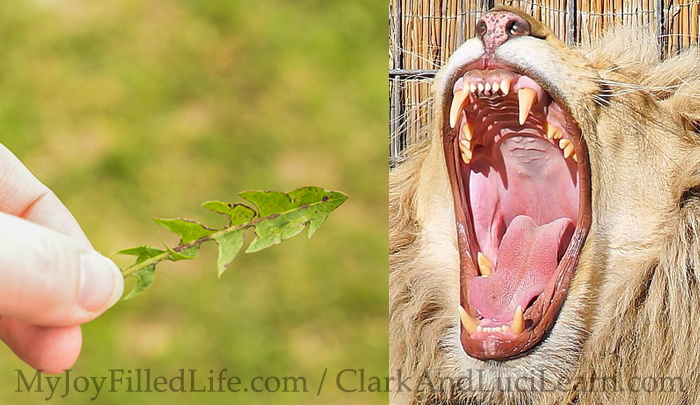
(518,246)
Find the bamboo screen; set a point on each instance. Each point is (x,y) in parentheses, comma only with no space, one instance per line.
(424,33)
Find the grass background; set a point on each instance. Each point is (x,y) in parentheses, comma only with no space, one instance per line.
(133,109)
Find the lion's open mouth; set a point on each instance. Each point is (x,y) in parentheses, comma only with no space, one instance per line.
(519,174)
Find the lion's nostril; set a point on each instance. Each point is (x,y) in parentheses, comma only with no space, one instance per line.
(497,27)
(480,28)
(518,28)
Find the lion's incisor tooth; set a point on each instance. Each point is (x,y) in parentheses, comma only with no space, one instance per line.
(485,265)
(472,87)
(487,86)
(469,323)
(480,87)
(456,107)
(518,325)
(526,98)
(505,86)
(495,87)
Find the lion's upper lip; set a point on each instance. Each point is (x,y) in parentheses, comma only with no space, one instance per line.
(505,133)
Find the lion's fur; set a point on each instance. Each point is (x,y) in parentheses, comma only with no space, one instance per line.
(633,309)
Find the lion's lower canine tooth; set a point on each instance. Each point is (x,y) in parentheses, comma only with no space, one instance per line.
(485,265)
(469,323)
(456,107)
(518,325)
(505,86)
(526,98)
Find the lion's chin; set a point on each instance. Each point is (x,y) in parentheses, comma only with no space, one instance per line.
(519,175)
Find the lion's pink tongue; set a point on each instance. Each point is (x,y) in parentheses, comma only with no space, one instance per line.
(527,259)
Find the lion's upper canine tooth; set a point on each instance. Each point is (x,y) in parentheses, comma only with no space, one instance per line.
(469,323)
(456,107)
(485,265)
(518,325)
(505,86)
(526,98)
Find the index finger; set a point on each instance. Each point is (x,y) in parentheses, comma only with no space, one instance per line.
(23,195)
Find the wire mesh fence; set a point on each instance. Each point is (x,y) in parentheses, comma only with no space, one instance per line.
(424,33)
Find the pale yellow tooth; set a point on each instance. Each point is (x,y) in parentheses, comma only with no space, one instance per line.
(480,87)
(569,151)
(469,323)
(505,86)
(504,328)
(495,87)
(485,265)
(526,98)
(563,143)
(466,132)
(518,325)
(479,329)
(575,157)
(465,145)
(456,107)
(551,129)
(472,87)
(466,156)
(487,86)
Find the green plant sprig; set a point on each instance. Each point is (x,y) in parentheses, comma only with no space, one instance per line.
(279,216)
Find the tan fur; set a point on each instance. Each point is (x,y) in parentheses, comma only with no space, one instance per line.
(633,309)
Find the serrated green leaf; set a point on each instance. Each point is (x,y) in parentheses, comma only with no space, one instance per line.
(289,213)
(279,216)
(187,229)
(229,246)
(237,213)
(143,252)
(183,255)
(145,277)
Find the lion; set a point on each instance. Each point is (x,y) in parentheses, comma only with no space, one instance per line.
(544,240)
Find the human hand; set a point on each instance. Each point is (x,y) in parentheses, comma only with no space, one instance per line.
(51,278)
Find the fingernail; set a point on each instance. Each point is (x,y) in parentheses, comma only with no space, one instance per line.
(101,282)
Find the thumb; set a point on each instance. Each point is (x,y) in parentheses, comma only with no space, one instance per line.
(50,279)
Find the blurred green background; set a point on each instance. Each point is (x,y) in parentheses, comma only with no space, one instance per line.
(131,110)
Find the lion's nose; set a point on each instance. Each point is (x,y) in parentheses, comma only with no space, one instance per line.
(496,27)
